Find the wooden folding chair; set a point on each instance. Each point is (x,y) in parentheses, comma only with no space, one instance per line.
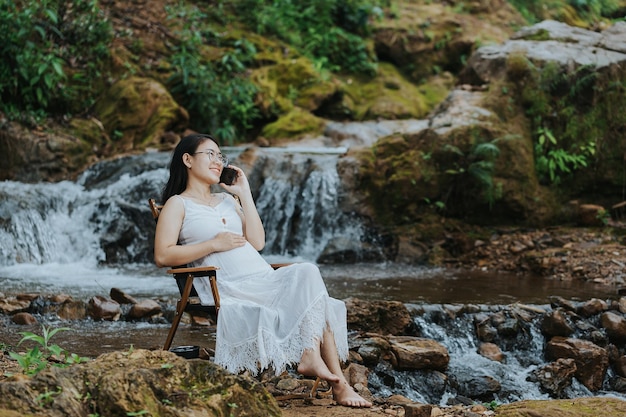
(184,279)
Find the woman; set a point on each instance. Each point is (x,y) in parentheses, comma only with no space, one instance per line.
(268,318)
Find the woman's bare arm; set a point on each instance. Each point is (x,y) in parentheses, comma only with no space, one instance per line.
(167,251)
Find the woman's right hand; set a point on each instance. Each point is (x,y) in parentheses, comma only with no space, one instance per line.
(224,241)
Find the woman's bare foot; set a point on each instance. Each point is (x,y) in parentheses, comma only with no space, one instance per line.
(345,395)
(312,364)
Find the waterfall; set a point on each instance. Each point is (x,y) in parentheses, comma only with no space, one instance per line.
(101,222)
(298,201)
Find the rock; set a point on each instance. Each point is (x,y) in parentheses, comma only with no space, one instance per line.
(555,377)
(563,45)
(142,110)
(121,297)
(417,410)
(384,317)
(491,351)
(591,215)
(101,308)
(556,323)
(72,310)
(373,349)
(480,387)
(143,309)
(615,326)
(591,360)
(418,353)
(162,384)
(12,305)
(578,407)
(23,318)
(592,307)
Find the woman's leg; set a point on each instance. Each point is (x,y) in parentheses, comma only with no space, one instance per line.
(343,393)
(323,362)
(312,364)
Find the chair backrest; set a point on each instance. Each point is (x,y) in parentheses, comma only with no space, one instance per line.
(155,208)
(156,211)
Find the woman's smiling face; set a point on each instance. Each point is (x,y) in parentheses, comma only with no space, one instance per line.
(208,157)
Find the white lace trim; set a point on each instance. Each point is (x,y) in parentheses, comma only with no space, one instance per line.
(264,351)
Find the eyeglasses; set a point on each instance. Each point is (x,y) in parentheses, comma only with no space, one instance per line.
(215,157)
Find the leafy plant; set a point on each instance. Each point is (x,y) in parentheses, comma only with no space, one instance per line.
(591,10)
(492,405)
(604,216)
(47,397)
(329,29)
(575,114)
(38,41)
(44,353)
(218,94)
(552,161)
(478,166)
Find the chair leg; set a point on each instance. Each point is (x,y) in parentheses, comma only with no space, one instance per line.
(215,292)
(180,309)
(313,392)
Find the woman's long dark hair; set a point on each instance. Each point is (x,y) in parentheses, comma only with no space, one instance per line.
(177,181)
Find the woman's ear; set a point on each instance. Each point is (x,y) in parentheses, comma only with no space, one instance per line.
(187,160)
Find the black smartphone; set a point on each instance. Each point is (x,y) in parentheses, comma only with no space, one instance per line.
(229,175)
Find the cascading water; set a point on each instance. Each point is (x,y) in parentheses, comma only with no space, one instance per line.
(467,369)
(87,230)
(298,201)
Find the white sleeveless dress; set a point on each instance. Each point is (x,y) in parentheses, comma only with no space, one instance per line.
(267,317)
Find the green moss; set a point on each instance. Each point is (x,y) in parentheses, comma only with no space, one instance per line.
(540,35)
(391,96)
(294,124)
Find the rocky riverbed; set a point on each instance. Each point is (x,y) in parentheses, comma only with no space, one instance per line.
(583,339)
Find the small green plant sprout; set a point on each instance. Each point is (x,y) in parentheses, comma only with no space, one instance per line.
(47,397)
(44,353)
(492,405)
(604,216)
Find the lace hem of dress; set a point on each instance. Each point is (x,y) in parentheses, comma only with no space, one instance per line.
(256,355)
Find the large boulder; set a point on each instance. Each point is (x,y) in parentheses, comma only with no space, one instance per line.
(136,113)
(156,383)
(591,360)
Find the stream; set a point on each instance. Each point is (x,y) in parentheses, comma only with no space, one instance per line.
(85,237)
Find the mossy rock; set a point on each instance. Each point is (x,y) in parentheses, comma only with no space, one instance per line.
(136,112)
(578,407)
(291,82)
(425,39)
(163,384)
(293,125)
(389,95)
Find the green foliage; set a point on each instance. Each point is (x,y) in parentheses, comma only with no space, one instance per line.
(329,31)
(574,115)
(47,397)
(604,216)
(51,52)
(43,353)
(218,95)
(552,162)
(477,167)
(591,10)
(492,405)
